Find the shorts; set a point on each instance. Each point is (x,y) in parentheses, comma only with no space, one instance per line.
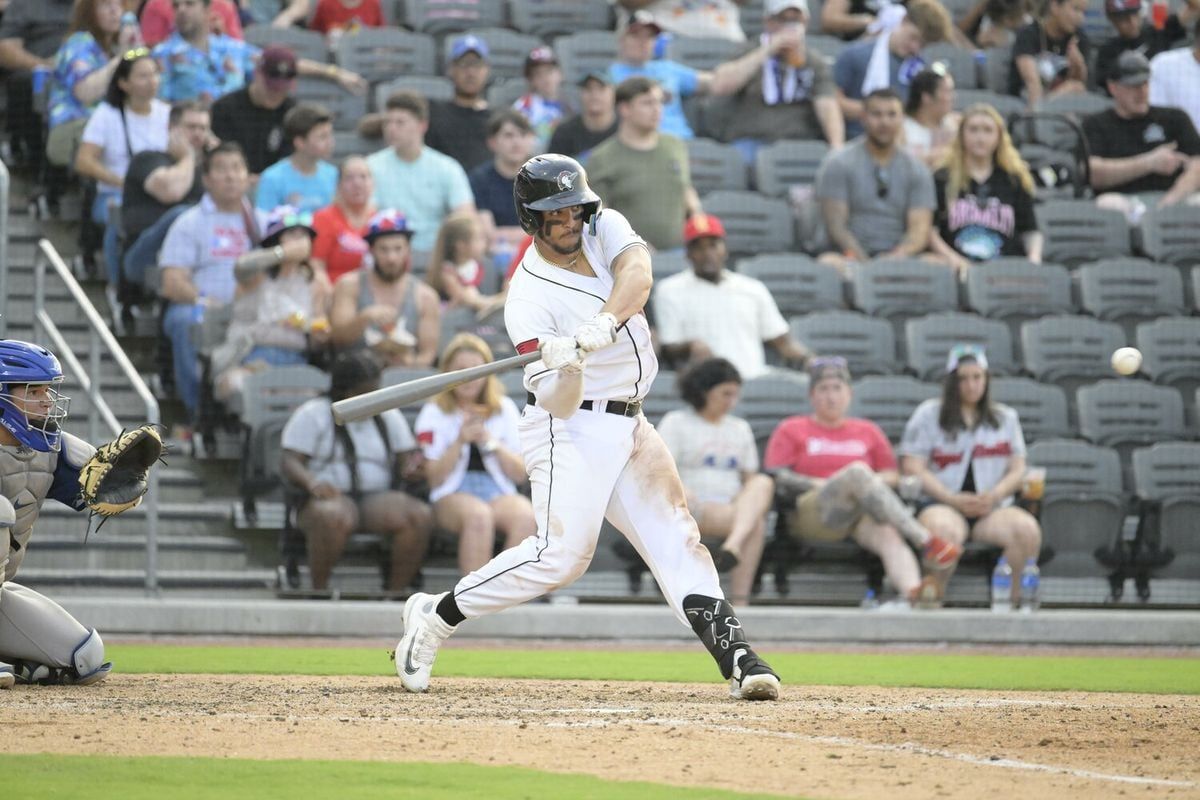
(480,484)
(805,522)
(924,504)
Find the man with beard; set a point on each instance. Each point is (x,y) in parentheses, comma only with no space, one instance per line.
(381,305)
(686,304)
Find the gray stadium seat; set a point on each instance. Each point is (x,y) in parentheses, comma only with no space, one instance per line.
(769,398)
(828,46)
(666,264)
(1076,231)
(663,397)
(1041,407)
(381,54)
(898,287)
(929,339)
(1168,475)
(584,52)
(798,283)
(1171,235)
(1196,288)
(1073,106)
(868,343)
(1058,169)
(513,381)
(550,17)
(753,223)
(433,88)
(1124,413)
(507,50)
(1013,289)
(1069,349)
(702,53)
(787,163)
(1130,290)
(347,108)
(349,143)
(959,61)
(448,16)
(1171,352)
(996,68)
(889,400)
(1006,104)
(715,166)
(305,44)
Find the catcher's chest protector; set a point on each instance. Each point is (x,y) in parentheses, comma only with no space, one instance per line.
(25,477)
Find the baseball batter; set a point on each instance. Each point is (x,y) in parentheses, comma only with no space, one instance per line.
(577,297)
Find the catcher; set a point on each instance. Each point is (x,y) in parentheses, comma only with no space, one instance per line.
(39,641)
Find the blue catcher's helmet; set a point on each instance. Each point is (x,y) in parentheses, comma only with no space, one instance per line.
(25,364)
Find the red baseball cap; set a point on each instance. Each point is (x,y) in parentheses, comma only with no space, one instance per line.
(701,226)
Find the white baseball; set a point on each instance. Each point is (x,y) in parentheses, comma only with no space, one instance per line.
(1126,360)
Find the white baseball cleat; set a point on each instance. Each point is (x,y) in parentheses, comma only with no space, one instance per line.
(424,632)
(752,678)
(7,676)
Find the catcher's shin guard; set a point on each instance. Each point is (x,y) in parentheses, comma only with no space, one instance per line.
(87,666)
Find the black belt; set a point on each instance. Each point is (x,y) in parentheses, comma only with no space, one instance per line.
(618,407)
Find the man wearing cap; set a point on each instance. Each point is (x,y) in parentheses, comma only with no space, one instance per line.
(710,311)
(704,19)
(1135,32)
(1137,147)
(1174,76)
(596,121)
(542,105)
(458,127)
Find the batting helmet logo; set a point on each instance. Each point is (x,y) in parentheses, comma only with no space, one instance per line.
(566,180)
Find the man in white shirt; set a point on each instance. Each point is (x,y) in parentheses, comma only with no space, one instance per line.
(710,311)
(1175,79)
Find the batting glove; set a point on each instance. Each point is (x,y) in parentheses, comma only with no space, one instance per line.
(599,331)
(562,353)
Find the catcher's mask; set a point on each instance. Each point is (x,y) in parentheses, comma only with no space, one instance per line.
(26,364)
(549,182)
(352,372)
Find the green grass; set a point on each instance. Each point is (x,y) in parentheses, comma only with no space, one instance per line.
(1051,673)
(152,778)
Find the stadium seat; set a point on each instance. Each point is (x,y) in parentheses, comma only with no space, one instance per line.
(997,60)
(889,401)
(1069,350)
(1171,352)
(1076,231)
(433,88)
(666,264)
(550,17)
(663,397)
(382,54)
(827,46)
(513,381)
(753,223)
(305,44)
(347,108)
(1196,288)
(1041,407)
(715,166)
(1056,171)
(584,52)
(1007,105)
(1013,289)
(703,53)
(781,165)
(798,283)
(1130,290)
(1073,106)
(903,287)
(1171,235)
(959,62)
(451,16)
(867,343)
(928,340)
(1167,479)
(507,51)
(769,398)
(1126,413)
(349,143)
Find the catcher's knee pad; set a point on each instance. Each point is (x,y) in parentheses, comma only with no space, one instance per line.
(717,626)
(87,666)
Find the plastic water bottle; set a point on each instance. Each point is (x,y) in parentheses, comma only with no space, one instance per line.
(870,601)
(1031,587)
(1002,577)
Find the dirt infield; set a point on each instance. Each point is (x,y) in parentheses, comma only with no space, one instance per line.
(817,741)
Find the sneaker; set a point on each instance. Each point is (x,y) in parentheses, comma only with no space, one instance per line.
(424,632)
(940,554)
(7,676)
(752,678)
(927,595)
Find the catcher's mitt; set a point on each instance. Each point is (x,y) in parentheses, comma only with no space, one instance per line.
(114,479)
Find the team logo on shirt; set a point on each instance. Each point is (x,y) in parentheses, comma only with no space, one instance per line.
(1154,133)
(566,180)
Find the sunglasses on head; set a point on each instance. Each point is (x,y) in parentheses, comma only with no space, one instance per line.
(939,68)
(821,362)
(135,54)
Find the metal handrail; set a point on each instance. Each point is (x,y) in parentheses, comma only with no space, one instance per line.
(89,379)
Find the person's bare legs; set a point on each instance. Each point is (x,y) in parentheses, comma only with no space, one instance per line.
(898,560)
(408,521)
(473,521)
(514,516)
(1016,531)
(326,525)
(718,520)
(948,524)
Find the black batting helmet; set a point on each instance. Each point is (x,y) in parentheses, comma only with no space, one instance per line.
(548,182)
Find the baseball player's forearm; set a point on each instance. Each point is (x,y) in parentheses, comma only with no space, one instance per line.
(560,392)
(632,281)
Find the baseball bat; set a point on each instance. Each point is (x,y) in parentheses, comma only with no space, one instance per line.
(366,405)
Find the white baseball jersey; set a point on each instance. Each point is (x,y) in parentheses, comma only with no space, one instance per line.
(546,301)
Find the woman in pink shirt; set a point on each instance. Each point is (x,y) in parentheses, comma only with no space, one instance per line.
(841,471)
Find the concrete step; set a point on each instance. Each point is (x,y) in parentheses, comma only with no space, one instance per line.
(22,226)
(197,553)
(210,518)
(135,578)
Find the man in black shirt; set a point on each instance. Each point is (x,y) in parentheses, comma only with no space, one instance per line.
(597,121)
(1049,55)
(253,115)
(1136,147)
(1135,33)
(458,127)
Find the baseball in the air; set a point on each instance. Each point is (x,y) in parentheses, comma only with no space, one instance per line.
(1126,360)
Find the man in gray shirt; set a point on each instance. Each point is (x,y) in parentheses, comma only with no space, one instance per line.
(876,199)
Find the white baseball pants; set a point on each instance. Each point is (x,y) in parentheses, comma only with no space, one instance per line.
(35,628)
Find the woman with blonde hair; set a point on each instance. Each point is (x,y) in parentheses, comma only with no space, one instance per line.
(457,264)
(985,196)
(473,458)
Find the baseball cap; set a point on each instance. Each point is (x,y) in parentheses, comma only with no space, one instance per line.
(1119,7)
(701,226)
(387,222)
(283,219)
(1132,69)
(277,65)
(539,55)
(596,75)
(773,7)
(961,351)
(469,44)
(643,18)
(822,367)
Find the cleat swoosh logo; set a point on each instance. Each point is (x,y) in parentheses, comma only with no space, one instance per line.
(408,665)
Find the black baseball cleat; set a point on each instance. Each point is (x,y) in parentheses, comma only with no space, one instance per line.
(752,678)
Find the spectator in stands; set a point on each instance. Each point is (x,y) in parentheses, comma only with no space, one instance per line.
(276,13)
(876,200)
(83,68)
(970,456)
(253,115)
(1049,55)
(198,257)
(985,196)
(642,172)
(410,176)
(687,303)
(129,121)
(930,122)
(850,19)
(511,139)
(280,313)
(457,265)
(335,17)
(709,19)
(350,476)
(1174,76)
(30,34)
(994,23)
(458,127)
(542,105)
(576,136)
(1135,147)
(718,464)
(1134,32)
(158,20)
(792,96)
(159,186)
(837,475)
(339,247)
(891,59)
(304,180)
(473,459)
(382,304)
(636,58)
